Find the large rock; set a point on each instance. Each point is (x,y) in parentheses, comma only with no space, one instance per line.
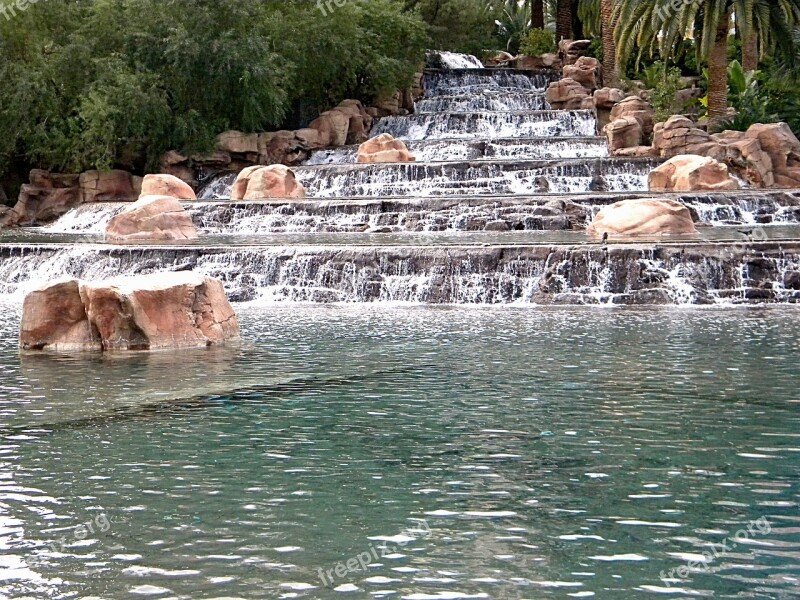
(54,318)
(746,158)
(332,126)
(783,148)
(689,173)
(260,183)
(625,132)
(383,149)
(571,50)
(167,185)
(108,186)
(586,71)
(45,198)
(605,98)
(566,94)
(237,142)
(498,59)
(633,106)
(679,136)
(152,218)
(643,216)
(285,147)
(145,312)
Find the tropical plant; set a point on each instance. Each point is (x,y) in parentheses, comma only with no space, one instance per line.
(664,83)
(660,25)
(748,99)
(537,42)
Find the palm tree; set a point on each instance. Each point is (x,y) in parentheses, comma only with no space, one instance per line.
(660,25)
(563,20)
(607,26)
(537,14)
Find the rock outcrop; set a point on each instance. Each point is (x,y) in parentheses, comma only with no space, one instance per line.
(167,185)
(678,136)
(567,94)
(45,198)
(643,216)
(109,186)
(145,312)
(157,218)
(633,106)
(783,148)
(383,149)
(624,132)
(261,183)
(586,71)
(690,173)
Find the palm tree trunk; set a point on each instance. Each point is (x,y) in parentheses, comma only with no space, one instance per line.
(750,52)
(563,20)
(610,70)
(718,74)
(537,14)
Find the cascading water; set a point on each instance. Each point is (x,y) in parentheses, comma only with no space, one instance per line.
(460,225)
(435,126)
(439,59)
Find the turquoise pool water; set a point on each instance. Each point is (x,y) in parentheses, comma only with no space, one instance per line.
(420,453)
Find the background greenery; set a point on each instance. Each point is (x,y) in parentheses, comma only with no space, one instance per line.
(115,83)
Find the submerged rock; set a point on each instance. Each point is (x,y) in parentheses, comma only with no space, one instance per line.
(152,218)
(689,173)
(643,216)
(143,312)
(383,149)
(260,183)
(167,185)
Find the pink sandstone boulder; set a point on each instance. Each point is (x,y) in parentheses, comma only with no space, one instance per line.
(273,181)
(54,318)
(332,126)
(143,312)
(633,106)
(383,149)
(689,173)
(107,186)
(779,142)
(566,94)
(585,70)
(644,216)
(624,132)
(167,185)
(152,218)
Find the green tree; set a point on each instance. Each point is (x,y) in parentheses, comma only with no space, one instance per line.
(659,24)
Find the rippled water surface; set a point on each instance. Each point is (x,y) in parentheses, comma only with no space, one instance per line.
(463,453)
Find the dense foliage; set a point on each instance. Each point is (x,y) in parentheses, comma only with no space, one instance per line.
(99,83)
(102,83)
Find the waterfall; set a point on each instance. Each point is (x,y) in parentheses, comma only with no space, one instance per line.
(492,211)
(437,59)
(544,123)
(455,274)
(488,100)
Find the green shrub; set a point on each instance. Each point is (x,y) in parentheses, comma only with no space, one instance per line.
(537,42)
(664,83)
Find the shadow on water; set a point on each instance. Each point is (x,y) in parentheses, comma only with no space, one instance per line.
(154,372)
